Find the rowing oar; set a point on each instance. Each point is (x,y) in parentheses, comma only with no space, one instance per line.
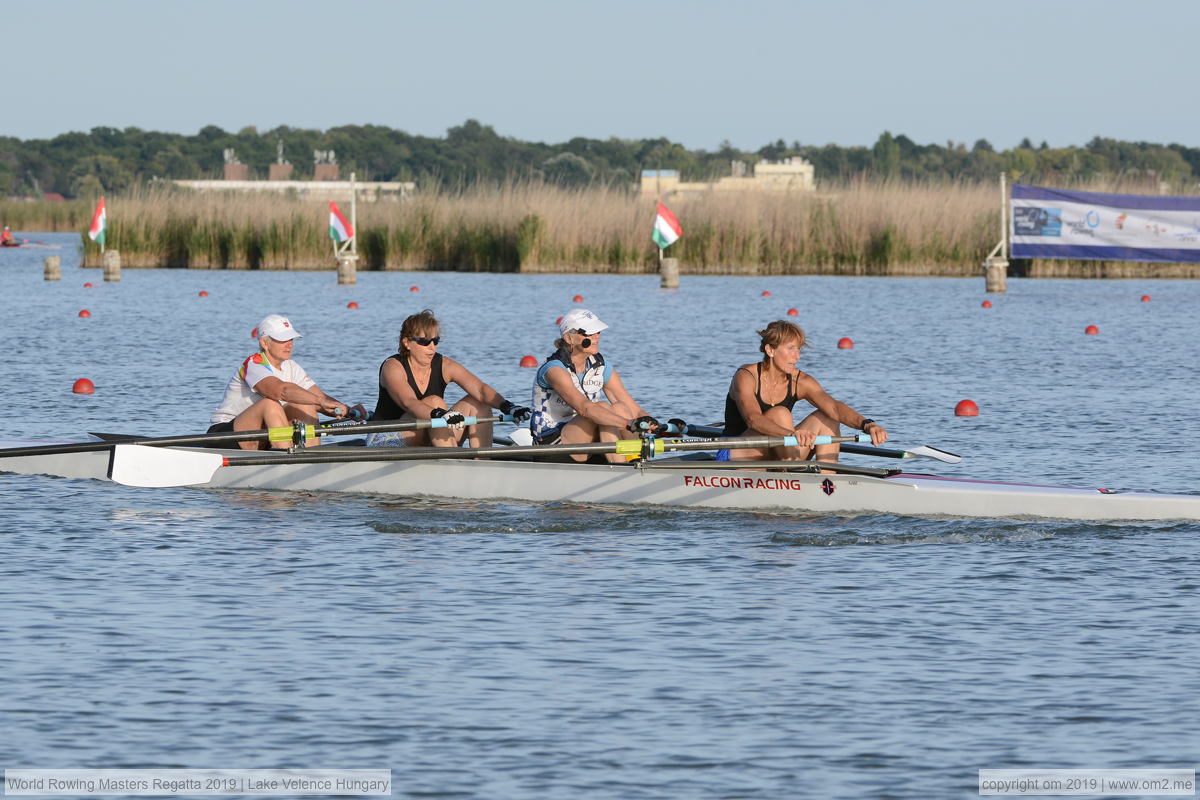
(137,465)
(922,451)
(287,433)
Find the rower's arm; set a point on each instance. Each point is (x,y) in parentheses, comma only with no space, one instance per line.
(467,381)
(283,391)
(616,393)
(848,416)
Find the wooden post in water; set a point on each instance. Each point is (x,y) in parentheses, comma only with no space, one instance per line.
(347,271)
(996,264)
(52,268)
(668,273)
(111,259)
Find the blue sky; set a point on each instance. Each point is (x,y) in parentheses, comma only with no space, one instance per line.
(696,72)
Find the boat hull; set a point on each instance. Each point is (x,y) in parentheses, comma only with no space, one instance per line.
(670,482)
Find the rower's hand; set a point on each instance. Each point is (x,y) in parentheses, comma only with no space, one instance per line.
(518,413)
(644,424)
(454,420)
(334,409)
(676,427)
(805,438)
(878,433)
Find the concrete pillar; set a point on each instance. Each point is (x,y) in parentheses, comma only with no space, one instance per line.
(111,259)
(668,274)
(347,270)
(997,275)
(53,268)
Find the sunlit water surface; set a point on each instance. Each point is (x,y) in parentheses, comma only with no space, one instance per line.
(505,650)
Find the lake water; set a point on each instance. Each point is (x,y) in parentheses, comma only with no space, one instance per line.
(509,650)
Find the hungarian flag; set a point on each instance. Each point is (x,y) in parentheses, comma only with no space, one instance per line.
(666,227)
(99,224)
(340,229)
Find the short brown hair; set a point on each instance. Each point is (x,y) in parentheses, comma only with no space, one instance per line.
(423,323)
(778,332)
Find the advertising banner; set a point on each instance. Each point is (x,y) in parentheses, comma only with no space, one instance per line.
(1055,223)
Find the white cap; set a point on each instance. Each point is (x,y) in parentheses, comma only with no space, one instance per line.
(581,319)
(278,327)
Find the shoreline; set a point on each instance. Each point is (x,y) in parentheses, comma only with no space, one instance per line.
(1073,270)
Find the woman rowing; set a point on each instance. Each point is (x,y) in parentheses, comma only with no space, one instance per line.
(761,397)
(270,390)
(412,387)
(567,408)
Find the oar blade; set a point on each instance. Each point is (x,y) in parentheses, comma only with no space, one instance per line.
(158,467)
(934,453)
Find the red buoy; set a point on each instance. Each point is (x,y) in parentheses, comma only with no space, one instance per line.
(85,313)
(1145,298)
(414,288)
(528,361)
(203,293)
(986,304)
(845,343)
(766,293)
(793,312)
(87,285)
(1091,330)
(352,304)
(83,386)
(966,408)
(577,298)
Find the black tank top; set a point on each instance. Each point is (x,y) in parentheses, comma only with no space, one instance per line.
(735,425)
(387,408)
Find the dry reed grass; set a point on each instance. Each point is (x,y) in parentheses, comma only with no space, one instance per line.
(859,228)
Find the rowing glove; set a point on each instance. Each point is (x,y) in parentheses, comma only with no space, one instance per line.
(454,420)
(677,426)
(519,413)
(646,424)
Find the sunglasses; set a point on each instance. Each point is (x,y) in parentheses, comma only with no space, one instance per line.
(425,341)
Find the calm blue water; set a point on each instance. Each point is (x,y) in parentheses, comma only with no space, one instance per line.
(518,651)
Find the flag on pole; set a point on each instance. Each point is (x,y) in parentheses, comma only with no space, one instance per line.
(99,224)
(666,228)
(340,229)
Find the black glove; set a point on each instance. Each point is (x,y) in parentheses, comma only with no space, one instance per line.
(677,426)
(454,420)
(646,424)
(519,413)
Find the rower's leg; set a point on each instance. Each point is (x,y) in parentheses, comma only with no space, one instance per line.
(266,413)
(443,437)
(579,431)
(610,433)
(479,434)
(306,414)
(822,425)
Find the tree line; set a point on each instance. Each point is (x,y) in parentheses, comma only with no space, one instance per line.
(108,160)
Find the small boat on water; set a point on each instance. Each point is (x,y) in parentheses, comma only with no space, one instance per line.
(680,475)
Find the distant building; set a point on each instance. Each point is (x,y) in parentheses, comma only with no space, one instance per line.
(368,191)
(790,175)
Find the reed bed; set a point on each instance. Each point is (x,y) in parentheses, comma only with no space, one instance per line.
(859,228)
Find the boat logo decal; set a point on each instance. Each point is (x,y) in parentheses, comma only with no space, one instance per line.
(742,482)
(827,486)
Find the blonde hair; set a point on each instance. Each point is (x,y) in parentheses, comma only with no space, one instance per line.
(423,323)
(778,332)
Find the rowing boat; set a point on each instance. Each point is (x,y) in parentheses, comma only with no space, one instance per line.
(688,481)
